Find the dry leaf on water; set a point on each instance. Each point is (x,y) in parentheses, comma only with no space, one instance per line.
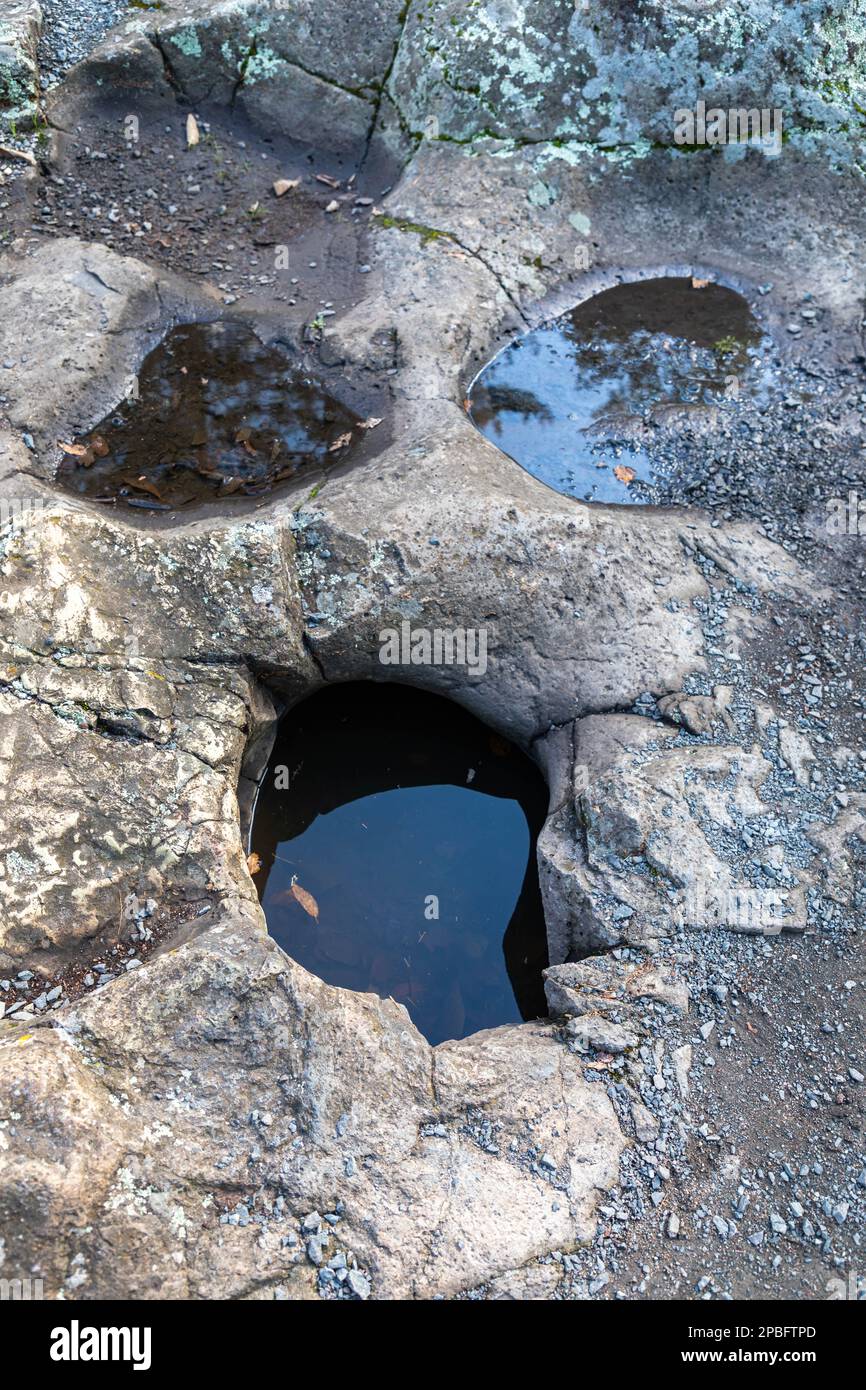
(625,475)
(307,901)
(699,284)
(254,863)
(192,135)
(143,485)
(99,446)
(340,443)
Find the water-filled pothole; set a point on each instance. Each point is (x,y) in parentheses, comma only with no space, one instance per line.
(567,401)
(214,414)
(396,836)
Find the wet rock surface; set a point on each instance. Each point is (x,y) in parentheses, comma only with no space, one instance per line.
(690,682)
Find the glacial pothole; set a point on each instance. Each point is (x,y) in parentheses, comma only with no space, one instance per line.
(574,400)
(396,836)
(214,414)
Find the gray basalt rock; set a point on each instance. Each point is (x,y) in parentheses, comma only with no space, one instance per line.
(605,985)
(150,1092)
(20,25)
(168,1134)
(615,75)
(309,71)
(94,315)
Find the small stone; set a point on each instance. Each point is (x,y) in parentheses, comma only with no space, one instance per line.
(646,1126)
(672,1226)
(778,1224)
(358,1283)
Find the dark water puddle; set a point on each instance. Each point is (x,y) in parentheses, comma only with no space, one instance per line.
(568,401)
(400,805)
(217,414)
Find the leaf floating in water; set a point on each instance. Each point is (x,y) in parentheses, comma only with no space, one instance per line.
(254,863)
(142,485)
(307,901)
(192,135)
(370,424)
(340,443)
(78,450)
(99,445)
(625,475)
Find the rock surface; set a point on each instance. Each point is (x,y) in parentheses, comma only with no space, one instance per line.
(186,1115)
(20,25)
(201,1109)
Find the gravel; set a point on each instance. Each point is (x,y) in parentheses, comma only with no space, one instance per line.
(70,30)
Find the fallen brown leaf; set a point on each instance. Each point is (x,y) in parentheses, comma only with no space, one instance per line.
(143,485)
(254,863)
(99,446)
(78,450)
(625,475)
(192,132)
(369,424)
(340,443)
(306,900)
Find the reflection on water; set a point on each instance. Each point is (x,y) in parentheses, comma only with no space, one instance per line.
(567,400)
(411,829)
(214,413)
